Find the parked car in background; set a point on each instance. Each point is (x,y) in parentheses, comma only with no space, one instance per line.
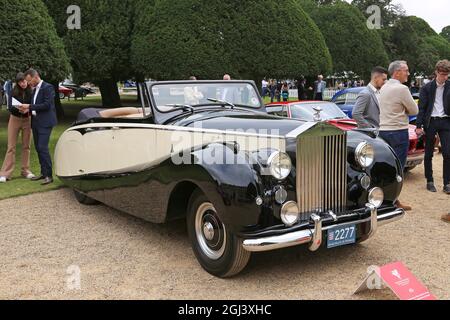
(346,100)
(244,181)
(64,92)
(79,91)
(129,84)
(329,111)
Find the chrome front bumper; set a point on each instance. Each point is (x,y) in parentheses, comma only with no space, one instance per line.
(314,237)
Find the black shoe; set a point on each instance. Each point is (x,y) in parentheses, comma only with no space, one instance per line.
(47,181)
(431,187)
(38,178)
(447,189)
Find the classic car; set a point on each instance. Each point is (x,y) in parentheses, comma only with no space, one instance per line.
(244,181)
(346,100)
(329,111)
(64,92)
(79,91)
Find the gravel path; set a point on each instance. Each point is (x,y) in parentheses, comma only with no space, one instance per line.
(121,257)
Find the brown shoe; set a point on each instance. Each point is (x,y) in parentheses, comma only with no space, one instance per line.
(398,204)
(446,218)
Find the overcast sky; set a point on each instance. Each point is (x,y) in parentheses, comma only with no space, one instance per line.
(435,12)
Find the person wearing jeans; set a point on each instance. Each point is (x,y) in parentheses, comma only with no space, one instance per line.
(396,105)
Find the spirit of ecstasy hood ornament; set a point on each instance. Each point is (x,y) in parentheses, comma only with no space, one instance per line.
(317,115)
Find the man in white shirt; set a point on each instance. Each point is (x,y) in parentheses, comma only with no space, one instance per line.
(319,88)
(434,118)
(42,123)
(264,85)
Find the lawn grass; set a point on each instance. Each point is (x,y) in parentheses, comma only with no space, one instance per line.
(19,186)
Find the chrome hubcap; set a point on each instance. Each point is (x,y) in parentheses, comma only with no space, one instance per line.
(210,232)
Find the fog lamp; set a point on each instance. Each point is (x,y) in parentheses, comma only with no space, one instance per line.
(290,214)
(376,197)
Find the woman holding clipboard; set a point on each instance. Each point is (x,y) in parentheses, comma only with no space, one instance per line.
(21,94)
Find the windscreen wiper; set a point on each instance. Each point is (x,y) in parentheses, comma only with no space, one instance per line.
(222,102)
(184,107)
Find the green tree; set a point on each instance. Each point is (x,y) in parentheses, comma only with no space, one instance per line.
(176,39)
(278,39)
(100,50)
(415,41)
(446,33)
(28,38)
(352,45)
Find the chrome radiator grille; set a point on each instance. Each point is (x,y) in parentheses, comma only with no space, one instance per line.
(321,174)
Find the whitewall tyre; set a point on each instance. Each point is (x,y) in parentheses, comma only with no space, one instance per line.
(218,251)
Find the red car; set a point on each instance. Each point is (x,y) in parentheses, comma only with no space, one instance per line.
(64,92)
(330,112)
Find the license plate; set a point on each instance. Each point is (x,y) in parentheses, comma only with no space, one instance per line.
(341,236)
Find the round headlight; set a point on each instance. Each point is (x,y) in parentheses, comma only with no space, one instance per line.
(365,154)
(280,165)
(290,214)
(376,197)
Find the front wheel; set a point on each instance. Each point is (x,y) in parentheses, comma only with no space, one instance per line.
(218,251)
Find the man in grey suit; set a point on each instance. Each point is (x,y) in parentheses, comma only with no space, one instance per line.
(367,108)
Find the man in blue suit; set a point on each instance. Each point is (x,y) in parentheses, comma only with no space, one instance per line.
(43,109)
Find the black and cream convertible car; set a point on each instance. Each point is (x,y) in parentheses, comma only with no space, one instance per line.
(245,181)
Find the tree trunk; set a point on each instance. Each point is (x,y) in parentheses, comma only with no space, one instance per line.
(58,105)
(110,93)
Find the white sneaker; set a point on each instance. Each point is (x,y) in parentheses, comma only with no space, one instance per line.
(30,176)
(2,179)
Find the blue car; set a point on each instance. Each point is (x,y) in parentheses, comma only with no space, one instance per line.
(346,100)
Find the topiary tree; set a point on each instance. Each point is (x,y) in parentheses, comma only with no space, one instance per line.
(177,39)
(100,50)
(352,45)
(28,38)
(275,38)
(173,40)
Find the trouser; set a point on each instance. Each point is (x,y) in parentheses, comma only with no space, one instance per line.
(16,125)
(441,127)
(319,96)
(265,92)
(41,140)
(399,141)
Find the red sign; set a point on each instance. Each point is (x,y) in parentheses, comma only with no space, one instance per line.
(399,279)
(403,283)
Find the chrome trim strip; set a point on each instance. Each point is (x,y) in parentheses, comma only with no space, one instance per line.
(303,128)
(169,128)
(306,236)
